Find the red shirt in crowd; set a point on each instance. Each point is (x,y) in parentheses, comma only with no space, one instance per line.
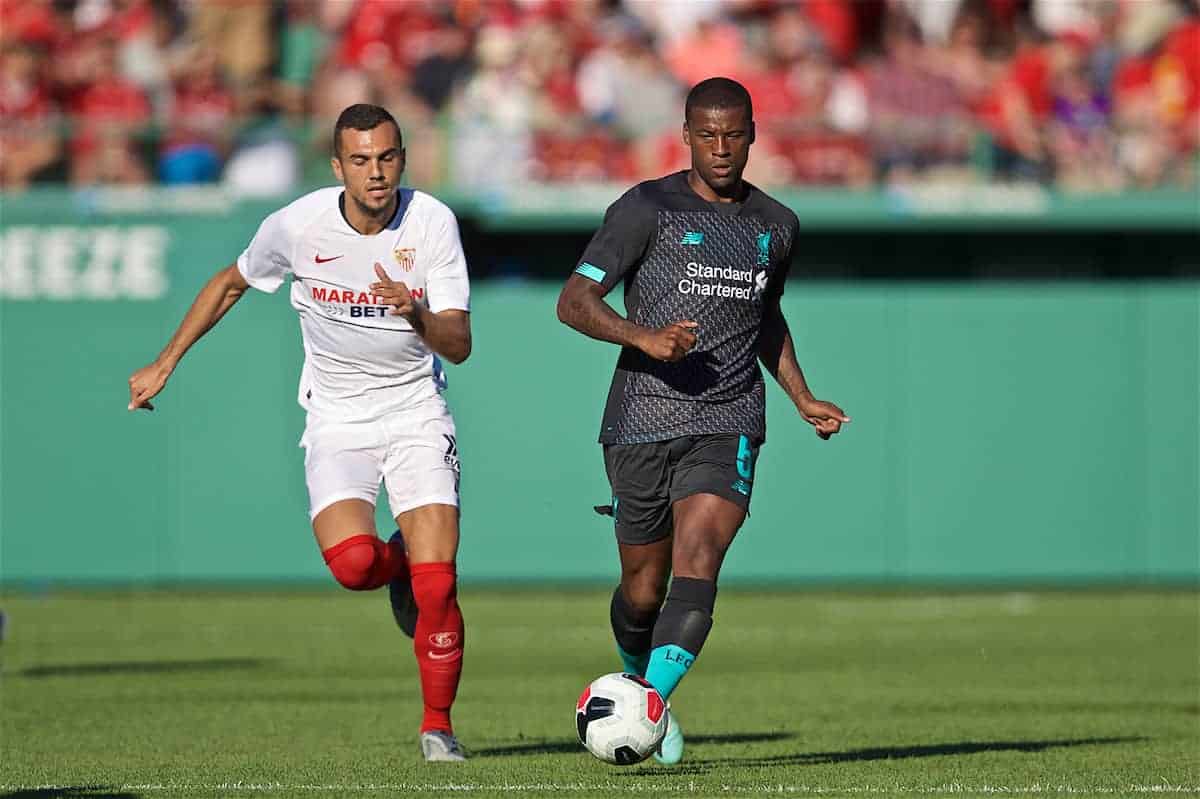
(109,104)
(199,114)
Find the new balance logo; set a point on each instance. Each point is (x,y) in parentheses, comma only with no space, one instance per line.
(692,237)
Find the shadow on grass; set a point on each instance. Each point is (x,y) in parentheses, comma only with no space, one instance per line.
(140,667)
(904,752)
(1187,708)
(959,707)
(571,746)
(651,768)
(92,791)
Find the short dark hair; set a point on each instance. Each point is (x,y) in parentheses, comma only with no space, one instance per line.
(718,93)
(360,116)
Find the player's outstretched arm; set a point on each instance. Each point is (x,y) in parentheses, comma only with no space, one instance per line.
(581,306)
(448,333)
(776,352)
(218,296)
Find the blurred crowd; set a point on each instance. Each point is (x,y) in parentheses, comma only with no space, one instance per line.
(1085,95)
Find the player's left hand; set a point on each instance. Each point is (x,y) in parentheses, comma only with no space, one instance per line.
(394,293)
(825,417)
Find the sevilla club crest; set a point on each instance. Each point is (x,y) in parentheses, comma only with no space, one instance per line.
(443,640)
(406,257)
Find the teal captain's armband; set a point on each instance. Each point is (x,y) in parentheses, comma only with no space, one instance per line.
(591,271)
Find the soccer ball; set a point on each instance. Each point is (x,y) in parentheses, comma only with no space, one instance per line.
(621,719)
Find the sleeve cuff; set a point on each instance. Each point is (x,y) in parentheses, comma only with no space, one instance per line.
(450,306)
(268,285)
(591,271)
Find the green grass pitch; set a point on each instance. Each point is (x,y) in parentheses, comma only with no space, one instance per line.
(830,694)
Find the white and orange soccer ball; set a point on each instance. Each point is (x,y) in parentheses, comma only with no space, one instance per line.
(621,719)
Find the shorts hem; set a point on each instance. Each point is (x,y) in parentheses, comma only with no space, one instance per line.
(741,500)
(663,532)
(432,499)
(338,497)
(653,539)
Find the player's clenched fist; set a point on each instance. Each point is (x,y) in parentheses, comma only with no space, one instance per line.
(670,343)
(145,383)
(393,293)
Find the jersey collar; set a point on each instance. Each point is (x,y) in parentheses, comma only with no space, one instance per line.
(685,188)
(402,198)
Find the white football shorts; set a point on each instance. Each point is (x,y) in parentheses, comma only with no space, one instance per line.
(414,452)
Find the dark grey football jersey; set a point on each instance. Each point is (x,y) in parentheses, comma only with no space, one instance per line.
(682,257)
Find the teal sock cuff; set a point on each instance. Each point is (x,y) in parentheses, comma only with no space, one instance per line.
(634,664)
(667,666)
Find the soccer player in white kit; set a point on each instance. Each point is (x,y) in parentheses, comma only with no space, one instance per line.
(379,279)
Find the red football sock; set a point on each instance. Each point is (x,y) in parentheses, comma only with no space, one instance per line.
(438,642)
(363,562)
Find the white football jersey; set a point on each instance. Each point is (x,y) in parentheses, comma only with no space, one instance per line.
(360,361)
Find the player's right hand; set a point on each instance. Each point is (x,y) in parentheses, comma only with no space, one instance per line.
(670,343)
(145,383)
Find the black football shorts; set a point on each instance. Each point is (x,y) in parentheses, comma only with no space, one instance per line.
(647,479)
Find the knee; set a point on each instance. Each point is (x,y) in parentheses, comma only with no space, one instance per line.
(644,591)
(352,562)
(700,560)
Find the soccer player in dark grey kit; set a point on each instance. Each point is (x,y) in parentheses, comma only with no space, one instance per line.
(703,256)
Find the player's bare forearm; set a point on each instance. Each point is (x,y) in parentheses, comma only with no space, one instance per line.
(581,306)
(448,333)
(218,295)
(778,355)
